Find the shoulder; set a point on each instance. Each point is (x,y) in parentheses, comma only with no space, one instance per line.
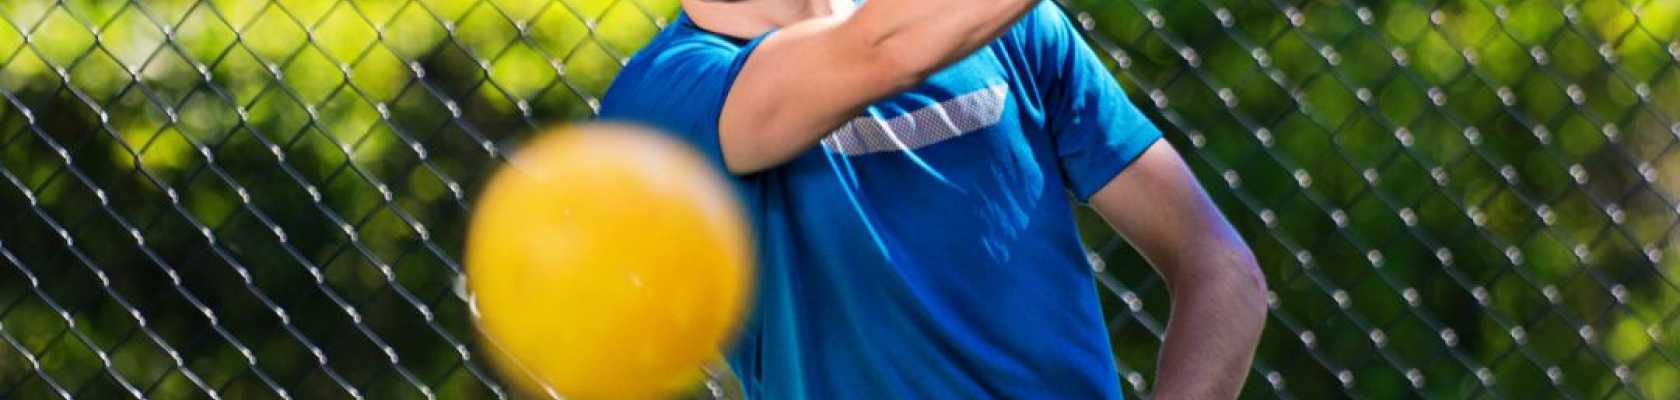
(680,63)
(681,48)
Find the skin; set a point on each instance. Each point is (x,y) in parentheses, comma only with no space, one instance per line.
(1217,291)
(829,59)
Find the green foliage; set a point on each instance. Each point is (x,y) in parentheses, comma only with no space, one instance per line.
(1480,153)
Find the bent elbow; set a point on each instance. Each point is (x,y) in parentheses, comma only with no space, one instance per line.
(1249,282)
(894,58)
(899,67)
(1228,271)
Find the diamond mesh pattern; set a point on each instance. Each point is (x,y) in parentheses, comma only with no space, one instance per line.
(266,199)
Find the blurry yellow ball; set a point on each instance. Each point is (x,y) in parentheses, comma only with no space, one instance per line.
(608,261)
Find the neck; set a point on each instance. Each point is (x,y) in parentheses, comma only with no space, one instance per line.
(751,18)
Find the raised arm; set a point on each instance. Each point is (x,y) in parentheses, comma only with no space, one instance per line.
(1218,294)
(806,79)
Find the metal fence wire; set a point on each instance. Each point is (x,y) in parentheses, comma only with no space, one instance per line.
(266,199)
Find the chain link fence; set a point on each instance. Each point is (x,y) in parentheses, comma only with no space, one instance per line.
(266,199)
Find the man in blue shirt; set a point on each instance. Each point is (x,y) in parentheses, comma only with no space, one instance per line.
(908,165)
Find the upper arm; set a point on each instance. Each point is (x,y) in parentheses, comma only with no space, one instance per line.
(800,82)
(1160,208)
(806,79)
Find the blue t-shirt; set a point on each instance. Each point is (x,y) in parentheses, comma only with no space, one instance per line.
(927,248)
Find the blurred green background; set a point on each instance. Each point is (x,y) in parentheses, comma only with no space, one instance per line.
(253,199)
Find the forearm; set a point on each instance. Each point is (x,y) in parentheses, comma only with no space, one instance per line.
(923,36)
(1218,310)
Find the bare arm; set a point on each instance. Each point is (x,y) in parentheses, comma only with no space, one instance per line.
(810,77)
(1218,294)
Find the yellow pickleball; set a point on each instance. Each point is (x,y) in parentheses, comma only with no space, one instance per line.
(608,261)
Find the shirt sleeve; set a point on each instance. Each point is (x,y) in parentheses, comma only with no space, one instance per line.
(1095,129)
(681,90)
